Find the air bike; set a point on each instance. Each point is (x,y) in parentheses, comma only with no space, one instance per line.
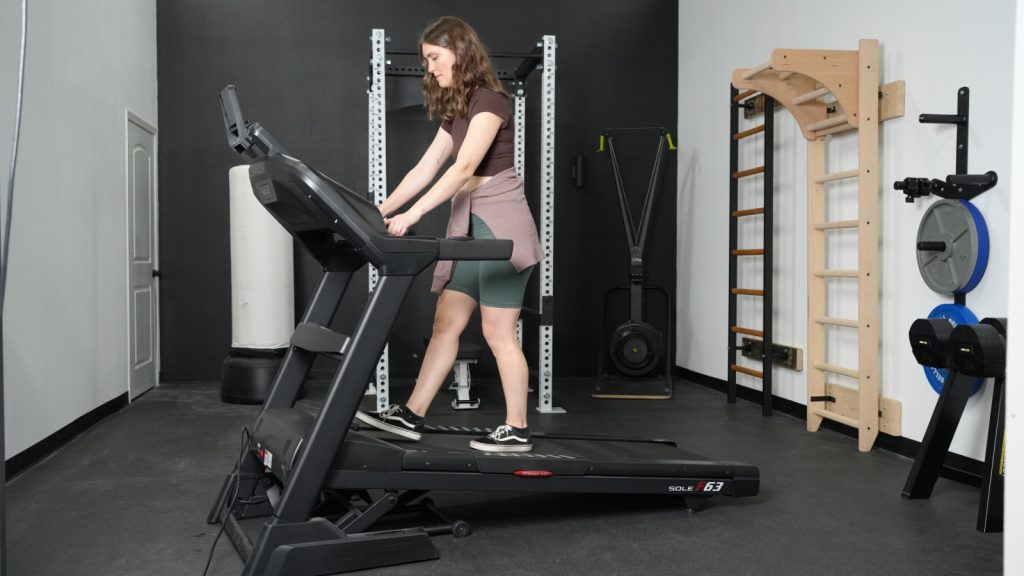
(312,476)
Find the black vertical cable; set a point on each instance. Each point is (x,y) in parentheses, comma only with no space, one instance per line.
(645,216)
(767,274)
(627,221)
(4,265)
(734,128)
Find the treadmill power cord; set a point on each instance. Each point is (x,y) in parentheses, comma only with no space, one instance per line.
(246,439)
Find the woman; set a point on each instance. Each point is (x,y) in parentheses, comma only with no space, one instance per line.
(488,201)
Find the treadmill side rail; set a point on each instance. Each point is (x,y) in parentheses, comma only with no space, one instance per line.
(737,486)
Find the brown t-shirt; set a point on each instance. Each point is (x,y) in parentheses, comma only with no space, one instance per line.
(501,155)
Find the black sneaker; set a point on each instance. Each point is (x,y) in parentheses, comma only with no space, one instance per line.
(505,438)
(397,419)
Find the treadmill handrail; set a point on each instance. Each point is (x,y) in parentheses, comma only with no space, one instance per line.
(341,210)
(470,249)
(338,204)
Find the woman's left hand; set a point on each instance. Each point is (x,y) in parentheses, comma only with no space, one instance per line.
(399,224)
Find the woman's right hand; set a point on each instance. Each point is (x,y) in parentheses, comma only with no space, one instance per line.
(399,224)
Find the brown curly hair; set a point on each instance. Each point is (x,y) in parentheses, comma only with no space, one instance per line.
(472,68)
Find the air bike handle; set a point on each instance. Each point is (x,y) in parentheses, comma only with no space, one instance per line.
(470,249)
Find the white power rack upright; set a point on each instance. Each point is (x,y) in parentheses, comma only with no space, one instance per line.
(542,58)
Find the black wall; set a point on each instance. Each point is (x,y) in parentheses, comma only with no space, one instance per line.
(300,69)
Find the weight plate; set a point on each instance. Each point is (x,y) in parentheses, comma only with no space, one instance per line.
(636,348)
(956,315)
(982,261)
(957,252)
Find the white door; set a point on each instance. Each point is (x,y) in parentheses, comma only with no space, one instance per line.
(142,302)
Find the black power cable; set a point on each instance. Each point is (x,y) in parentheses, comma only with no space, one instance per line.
(246,441)
(4,266)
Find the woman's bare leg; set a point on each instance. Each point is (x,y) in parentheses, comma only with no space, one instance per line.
(499,328)
(453,312)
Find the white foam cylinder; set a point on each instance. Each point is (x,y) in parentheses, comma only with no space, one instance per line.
(262,278)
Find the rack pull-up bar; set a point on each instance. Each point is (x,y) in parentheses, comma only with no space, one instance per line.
(530,62)
(534,55)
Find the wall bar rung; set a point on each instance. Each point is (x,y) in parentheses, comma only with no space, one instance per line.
(748,172)
(757,70)
(837,322)
(747,331)
(837,417)
(751,132)
(837,273)
(750,371)
(747,212)
(828,123)
(748,252)
(837,370)
(835,130)
(835,224)
(747,291)
(811,95)
(744,95)
(837,176)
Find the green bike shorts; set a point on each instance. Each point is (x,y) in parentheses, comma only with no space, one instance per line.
(493,283)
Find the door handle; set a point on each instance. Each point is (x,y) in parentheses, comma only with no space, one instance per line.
(156,273)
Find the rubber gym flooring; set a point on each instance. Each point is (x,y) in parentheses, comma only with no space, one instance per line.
(130,497)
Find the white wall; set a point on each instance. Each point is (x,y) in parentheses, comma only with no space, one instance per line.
(1013,556)
(935,47)
(65,340)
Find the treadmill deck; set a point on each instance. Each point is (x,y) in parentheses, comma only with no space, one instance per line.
(377,460)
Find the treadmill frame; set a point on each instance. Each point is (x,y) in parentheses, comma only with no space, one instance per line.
(340,229)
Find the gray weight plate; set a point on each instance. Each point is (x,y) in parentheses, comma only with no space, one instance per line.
(952,224)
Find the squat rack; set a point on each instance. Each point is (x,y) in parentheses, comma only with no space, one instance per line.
(830,92)
(541,57)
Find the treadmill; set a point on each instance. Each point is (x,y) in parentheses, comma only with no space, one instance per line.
(311,475)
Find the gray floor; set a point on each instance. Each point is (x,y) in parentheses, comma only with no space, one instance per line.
(130,497)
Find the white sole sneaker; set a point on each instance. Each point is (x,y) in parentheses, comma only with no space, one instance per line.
(397,430)
(484,447)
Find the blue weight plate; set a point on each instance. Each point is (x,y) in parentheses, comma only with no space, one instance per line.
(956,314)
(982,261)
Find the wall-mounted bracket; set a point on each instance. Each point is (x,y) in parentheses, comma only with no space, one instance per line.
(958,186)
(752,107)
(961,118)
(785,356)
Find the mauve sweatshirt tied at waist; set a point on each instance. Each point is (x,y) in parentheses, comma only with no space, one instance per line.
(501,204)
